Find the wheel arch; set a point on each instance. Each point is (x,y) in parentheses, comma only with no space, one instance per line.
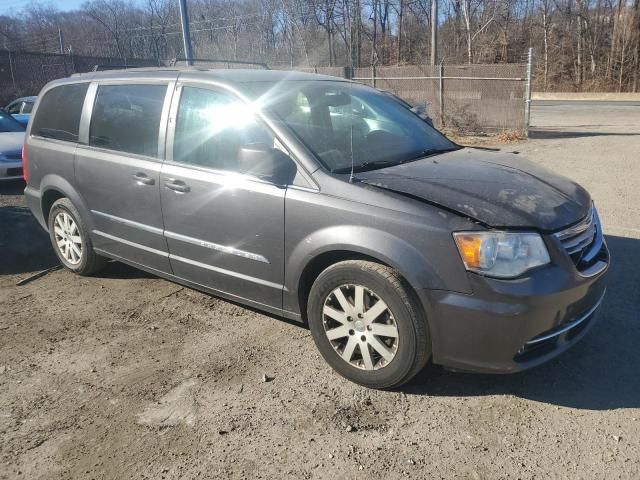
(54,187)
(320,263)
(306,263)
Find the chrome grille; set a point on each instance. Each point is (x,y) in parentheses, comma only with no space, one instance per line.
(577,237)
(584,243)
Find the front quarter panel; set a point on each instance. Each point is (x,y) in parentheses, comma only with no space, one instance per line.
(418,244)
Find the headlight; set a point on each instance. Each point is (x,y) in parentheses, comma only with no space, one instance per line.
(501,254)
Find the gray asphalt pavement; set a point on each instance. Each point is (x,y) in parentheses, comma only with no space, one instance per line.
(586,103)
(566,118)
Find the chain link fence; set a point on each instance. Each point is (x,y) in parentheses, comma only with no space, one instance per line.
(464,98)
(467,98)
(25,73)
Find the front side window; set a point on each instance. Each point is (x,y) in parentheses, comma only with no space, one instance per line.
(59,112)
(126,118)
(212,127)
(27,107)
(343,123)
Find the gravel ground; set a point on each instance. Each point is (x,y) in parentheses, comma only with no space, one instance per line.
(125,375)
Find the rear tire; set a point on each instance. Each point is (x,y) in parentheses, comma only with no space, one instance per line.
(70,239)
(378,345)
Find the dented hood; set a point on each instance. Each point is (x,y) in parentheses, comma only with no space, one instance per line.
(494,188)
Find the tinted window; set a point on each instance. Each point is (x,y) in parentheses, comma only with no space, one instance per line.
(14,108)
(9,124)
(127,118)
(58,115)
(27,107)
(212,127)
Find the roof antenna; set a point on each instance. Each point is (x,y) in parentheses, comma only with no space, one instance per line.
(351,177)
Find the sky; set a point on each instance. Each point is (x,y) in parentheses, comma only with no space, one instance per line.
(8,7)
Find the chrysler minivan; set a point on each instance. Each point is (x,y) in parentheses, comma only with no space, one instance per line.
(323,201)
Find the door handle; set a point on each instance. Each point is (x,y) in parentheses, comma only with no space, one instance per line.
(143,179)
(177,185)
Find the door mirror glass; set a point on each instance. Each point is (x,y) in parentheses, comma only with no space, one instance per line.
(263,161)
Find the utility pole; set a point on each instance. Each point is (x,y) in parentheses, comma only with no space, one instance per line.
(60,41)
(434,32)
(186,36)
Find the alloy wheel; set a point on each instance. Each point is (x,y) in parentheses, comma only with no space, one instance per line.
(67,237)
(360,327)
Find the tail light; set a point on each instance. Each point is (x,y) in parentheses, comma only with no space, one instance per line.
(25,172)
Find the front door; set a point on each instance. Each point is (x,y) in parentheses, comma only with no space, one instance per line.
(224,228)
(118,172)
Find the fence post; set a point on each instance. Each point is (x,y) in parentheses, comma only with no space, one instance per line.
(13,77)
(73,61)
(441,93)
(527,108)
(373,76)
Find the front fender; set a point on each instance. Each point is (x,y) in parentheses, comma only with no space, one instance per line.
(383,246)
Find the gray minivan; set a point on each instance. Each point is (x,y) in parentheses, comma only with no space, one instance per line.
(323,201)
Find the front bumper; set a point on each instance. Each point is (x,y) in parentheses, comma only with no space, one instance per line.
(510,325)
(11,170)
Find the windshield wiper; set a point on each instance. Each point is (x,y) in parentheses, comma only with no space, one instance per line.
(429,152)
(388,163)
(366,166)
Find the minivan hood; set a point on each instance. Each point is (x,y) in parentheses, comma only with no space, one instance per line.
(494,188)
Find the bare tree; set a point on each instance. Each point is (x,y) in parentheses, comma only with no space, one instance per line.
(582,44)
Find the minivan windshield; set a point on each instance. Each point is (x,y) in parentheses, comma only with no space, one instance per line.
(339,121)
(9,124)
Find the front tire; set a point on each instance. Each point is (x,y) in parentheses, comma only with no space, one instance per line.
(367,325)
(70,239)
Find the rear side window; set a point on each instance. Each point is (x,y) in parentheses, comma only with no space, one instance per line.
(58,115)
(126,118)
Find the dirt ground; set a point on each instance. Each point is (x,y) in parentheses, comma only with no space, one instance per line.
(124,375)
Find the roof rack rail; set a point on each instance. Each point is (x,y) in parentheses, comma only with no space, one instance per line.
(102,68)
(219,60)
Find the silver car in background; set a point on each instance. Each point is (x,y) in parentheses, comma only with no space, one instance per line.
(11,141)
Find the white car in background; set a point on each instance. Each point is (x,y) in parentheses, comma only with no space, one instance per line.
(11,139)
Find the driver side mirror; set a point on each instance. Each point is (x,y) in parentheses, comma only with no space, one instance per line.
(263,161)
